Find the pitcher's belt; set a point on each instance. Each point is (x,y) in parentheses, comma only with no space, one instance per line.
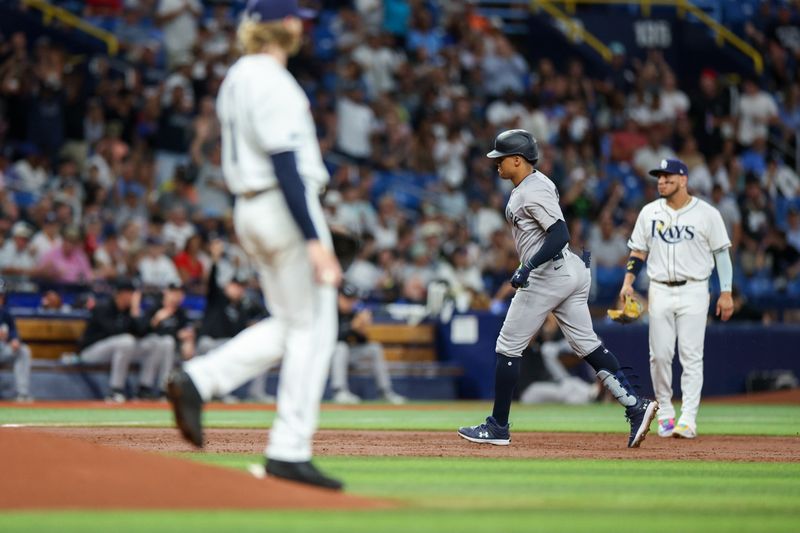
(252,194)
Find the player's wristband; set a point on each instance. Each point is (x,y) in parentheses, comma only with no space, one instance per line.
(634,266)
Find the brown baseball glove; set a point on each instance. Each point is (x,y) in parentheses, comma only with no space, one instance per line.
(631,310)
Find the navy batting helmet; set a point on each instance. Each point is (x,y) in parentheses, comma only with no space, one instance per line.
(515,142)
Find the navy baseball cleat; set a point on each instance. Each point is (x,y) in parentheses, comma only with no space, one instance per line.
(303,472)
(187,405)
(640,416)
(490,432)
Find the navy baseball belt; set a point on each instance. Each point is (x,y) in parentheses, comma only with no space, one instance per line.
(671,283)
(252,194)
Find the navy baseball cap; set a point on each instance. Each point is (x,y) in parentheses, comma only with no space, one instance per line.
(671,166)
(269,10)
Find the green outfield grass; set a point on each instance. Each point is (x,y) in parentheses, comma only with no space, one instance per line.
(454,495)
(440,494)
(723,419)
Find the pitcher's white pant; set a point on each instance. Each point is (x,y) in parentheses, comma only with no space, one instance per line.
(302,327)
(678,312)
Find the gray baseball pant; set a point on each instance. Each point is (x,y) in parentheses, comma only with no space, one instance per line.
(157,356)
(22,366)
(344,354)
(565,293)
(119,349)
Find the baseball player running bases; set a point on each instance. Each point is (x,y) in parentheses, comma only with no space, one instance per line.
(550,278)
(272,164)
(681,238)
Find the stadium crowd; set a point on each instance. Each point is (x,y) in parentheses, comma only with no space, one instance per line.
(111,166)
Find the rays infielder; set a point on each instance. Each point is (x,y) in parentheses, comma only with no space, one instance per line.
(681,237)
(272,163)
(550,279)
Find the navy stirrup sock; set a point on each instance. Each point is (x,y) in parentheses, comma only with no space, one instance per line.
(505,379)
(611,375)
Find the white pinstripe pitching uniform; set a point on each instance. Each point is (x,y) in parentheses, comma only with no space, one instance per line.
(263,111)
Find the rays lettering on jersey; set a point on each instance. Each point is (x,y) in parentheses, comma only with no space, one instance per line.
(671,234)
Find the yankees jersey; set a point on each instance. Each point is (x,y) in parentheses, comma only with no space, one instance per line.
(262,111)
(532,208)
(680,244)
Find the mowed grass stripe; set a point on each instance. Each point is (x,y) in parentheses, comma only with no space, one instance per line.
(720,419)
(497,495)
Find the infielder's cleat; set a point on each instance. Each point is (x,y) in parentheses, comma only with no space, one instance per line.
(490,432)
(665,427)
(684,431)
(640,416)
(303,472)
(187,405)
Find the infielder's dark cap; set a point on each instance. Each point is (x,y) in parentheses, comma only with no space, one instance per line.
(671,166)
(515,142)
(269,10)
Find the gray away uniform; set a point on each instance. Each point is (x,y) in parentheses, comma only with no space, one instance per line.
(560,286)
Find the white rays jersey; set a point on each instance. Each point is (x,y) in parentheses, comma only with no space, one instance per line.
(680,244)
(264,111)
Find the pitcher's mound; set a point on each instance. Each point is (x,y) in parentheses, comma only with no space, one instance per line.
(43,470)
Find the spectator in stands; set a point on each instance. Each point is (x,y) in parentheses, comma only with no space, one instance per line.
(503,67)
(66,263)
(354,346)
(46,238)
(731,216)
(168,331)
(177,229)
(651,155)
(16,256)
(355,123)
(155,267)
(609,248)
(109,259)
(191,262)
(793,228)
(780,180)
(228,308)
(756,112)
(781,259)
(12,349)
(178,20)
(711,113)
(112,333)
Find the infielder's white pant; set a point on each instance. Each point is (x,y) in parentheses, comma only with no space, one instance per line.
(344,354)
(22,365)
(157,356)
(302,327)
(678,312)
(119,349)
